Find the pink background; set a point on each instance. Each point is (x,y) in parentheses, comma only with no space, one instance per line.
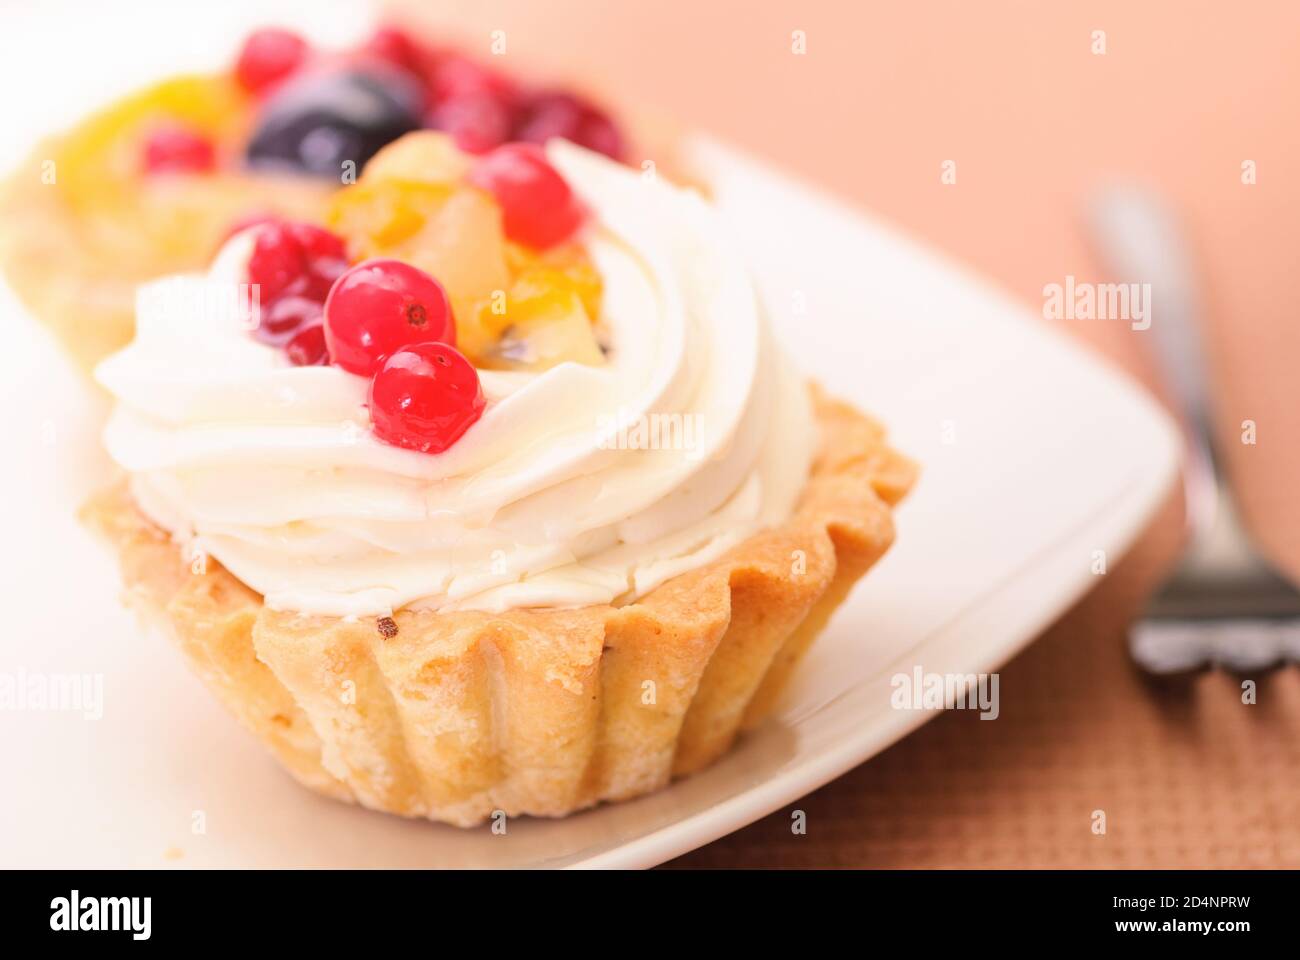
(1011,91)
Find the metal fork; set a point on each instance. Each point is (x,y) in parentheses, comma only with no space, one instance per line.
(1225,605)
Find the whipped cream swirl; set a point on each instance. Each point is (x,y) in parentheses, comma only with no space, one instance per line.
(579,485)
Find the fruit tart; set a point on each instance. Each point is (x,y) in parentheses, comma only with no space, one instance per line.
(492,494)
(155,182)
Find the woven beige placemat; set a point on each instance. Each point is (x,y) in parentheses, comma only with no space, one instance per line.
(1184,772)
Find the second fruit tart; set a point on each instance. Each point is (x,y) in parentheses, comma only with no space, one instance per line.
(153,183)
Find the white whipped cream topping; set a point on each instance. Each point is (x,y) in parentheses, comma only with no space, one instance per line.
(549,500)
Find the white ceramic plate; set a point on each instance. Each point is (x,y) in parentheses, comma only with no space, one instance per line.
(1034,456)
(1051,458)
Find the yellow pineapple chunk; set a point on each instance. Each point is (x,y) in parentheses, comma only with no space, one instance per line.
(515,308)
(425,156)
(569,261)
(540,323)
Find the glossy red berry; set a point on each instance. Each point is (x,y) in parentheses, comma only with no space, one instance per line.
(559,114)
(538,208)
(295,259)
(268,56)
(457,75)
(276,261)
(550,114)
(294,266)
(306,348)
(600,133)
(379,306)
(318,243)
(325,256)
(319,280)
(424,397)
(476,121)
(395,46)
(286,315)
(173,148)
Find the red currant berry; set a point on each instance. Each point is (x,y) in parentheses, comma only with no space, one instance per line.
(321,277)
(295,259)
(457,76)
(601,134)
(314,282)
(424,397)
(174,148)
(276,262)
(307,347)
(325,255)
(550,114)
(318,243)
(379,306)
(268,57)
(538,208)
(396,46)
(477,122)
(286,315)
(560,114)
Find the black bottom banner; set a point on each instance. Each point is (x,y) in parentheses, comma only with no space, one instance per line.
(334,909)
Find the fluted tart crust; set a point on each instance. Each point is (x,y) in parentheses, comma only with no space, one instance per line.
(454,716)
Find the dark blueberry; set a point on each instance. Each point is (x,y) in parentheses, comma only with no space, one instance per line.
(315,123)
